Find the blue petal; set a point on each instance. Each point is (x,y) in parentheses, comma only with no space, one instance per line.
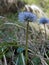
(25,16)
(44,20)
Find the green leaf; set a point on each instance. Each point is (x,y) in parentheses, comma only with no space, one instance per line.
(9,54)
(36,60)
(47,62)
(48,53)
(20,60)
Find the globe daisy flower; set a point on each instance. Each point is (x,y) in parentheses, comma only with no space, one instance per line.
(44,20)
(26,16)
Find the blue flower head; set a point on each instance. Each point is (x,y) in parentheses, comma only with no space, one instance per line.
(44,20)
(26,16)
(20,49)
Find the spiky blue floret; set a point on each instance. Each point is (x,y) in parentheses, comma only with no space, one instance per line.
(44,20)
(26,16)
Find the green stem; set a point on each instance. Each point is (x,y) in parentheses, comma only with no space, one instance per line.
(5,61)
(27,42)
(44,39)
(45,31)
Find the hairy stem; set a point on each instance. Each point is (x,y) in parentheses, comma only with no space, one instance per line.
(27,42)
(45,31)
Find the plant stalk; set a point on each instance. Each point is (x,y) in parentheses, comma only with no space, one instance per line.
(45,32)
(27,42)
(5,61)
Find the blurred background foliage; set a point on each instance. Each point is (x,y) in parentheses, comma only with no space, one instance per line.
(43,4)
(14,33)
